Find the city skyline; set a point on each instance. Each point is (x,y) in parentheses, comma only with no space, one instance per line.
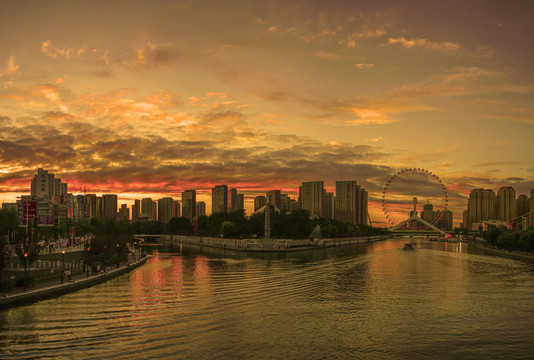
(191,95)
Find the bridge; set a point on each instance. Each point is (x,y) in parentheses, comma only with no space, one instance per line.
(430,229)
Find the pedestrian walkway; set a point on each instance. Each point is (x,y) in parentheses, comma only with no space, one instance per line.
(46,288)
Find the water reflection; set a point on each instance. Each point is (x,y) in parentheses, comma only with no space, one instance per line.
(366,301)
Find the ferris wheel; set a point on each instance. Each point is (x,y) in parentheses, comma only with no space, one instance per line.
(407,188)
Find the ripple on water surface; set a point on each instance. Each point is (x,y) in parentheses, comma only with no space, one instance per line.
(373,301)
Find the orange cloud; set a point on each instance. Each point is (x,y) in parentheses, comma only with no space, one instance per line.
(424,44)
(11,67)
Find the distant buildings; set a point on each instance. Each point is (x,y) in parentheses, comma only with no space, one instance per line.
(219,199)
(312,197)
(165,209)
(189,204)
(350,202)
(201,208)
(49,199)
(45,185)
(259,202)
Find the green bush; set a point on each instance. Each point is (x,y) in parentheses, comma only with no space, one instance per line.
(29,282)
(7,285)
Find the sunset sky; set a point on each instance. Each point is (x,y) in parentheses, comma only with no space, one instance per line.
(149,98)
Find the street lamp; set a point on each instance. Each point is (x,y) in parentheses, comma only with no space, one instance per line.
(88,254)
(62,265)
(25,271)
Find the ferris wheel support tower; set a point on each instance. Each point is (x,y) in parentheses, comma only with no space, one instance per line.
(415,217)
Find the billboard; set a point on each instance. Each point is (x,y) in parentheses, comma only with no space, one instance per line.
(29,211)
(47,220)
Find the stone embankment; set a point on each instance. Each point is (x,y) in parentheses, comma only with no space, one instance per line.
(271,245)
(48,289)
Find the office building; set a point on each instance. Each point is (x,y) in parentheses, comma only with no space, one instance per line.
(45,184)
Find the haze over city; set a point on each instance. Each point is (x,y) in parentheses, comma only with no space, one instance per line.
(147,99)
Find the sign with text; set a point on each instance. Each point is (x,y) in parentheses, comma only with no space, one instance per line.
(45,220)
(29,211)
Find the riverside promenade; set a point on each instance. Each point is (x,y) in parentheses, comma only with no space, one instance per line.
(271,245)
(50,288)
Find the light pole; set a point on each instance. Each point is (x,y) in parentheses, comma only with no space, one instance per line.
(62,265)
(25,271)
(88,254)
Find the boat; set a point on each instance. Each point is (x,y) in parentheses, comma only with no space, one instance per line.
(408,246)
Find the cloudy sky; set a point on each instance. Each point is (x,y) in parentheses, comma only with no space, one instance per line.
(149,98)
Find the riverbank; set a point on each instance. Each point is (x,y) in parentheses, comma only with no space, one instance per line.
(271,245)
(47,289)
(504,253)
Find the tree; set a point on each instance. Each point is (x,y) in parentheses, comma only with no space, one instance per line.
(179,226)
(6,249)
(27,249)
(9,225)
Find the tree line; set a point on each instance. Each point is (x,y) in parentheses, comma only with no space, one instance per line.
(109,239)
(511,240)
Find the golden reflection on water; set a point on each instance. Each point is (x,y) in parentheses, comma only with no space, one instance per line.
(371,301)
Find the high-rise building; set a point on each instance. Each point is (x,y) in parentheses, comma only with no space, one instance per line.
(147,209)
(189,204)
(109,206)
(165,209)
(259,202)
(99,208)
(445,220)
(176,209)
(136,209)
(124,212)
(275,198)
(286,203)
(44,184)
(312,197)
(329,205)
(91,204)
(240,202)
(523,205)
(465,217)
(219,199)
(346,205)
(201,208)
(506,204)
(232,200)
(480,207)
(363,202)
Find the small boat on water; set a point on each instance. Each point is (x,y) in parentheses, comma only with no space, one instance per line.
(408,246)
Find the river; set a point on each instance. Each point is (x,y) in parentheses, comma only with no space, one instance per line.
(442,300)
